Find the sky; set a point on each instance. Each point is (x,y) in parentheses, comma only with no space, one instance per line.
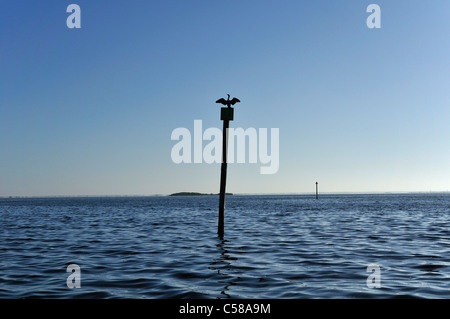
(91,110)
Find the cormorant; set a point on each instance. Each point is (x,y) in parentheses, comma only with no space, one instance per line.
(228,102)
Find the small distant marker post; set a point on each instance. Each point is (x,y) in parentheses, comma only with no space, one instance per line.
(317,190)
(226,115)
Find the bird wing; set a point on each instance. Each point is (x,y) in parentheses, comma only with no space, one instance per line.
(234,101)
(222,100)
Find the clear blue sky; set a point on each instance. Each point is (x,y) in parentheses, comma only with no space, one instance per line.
(90,111)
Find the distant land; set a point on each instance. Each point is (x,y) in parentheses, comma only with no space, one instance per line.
(194,194)
(6,197)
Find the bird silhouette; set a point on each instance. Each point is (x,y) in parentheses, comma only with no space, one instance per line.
(228,102)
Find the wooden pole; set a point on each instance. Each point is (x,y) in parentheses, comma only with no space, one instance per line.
(223,178)
(226,115)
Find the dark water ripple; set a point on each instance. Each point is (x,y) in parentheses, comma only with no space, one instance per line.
(274,247)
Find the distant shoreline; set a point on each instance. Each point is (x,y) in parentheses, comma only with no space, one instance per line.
(194,194)
(240,194)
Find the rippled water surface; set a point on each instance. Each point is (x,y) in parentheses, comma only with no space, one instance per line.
(274,247)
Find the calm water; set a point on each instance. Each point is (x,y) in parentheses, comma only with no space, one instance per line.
(274,247)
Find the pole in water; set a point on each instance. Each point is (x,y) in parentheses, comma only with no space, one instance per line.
(223,178)
(317,190)
(226,115)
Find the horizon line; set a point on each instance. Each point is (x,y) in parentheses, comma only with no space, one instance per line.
(236,194)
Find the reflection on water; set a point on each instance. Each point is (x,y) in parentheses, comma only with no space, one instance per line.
(222,265)
(274,247)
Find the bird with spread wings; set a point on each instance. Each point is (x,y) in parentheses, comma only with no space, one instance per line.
(228,102)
